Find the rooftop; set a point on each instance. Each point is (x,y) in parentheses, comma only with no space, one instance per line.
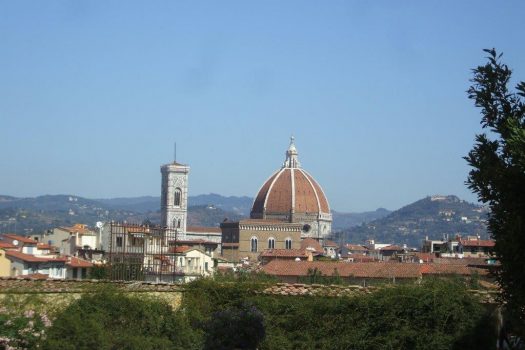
(284,253)
(366,269)
(31,258)
(23,239)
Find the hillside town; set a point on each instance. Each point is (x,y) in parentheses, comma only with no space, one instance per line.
(288,236)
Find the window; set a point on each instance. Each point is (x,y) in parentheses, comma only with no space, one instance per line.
(254,244)
(271,243)
(206,266)
(288,243)
(137,241)
(84,272)
(119,241)
(75,273)
(178,223)
(177,196)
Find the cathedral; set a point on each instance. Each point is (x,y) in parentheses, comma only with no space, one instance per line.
(290,206)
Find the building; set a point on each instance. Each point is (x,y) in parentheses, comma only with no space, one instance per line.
(433,245)
(246,239)
(78,268)
(285,254)
(77,240)
(290,206)
(473,246)
(368,272)
(192,263)
(292,195)
(23,264)
(5,263)
(330,248)
(174,196)
(174,205)
(22,243)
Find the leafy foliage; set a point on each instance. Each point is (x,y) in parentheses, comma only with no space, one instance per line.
(438,314)
(21,325)
(235,328)
(112,320)
(498,170)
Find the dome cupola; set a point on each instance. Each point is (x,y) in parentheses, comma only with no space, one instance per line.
(292,195)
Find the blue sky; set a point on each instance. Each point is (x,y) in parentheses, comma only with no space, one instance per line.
(93,94)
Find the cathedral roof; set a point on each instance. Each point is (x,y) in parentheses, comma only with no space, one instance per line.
(290,190)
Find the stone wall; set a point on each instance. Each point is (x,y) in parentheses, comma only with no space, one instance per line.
(54,295)
(57,294)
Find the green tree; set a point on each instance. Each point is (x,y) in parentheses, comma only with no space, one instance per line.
(112,320)
(235,328)
(498,170)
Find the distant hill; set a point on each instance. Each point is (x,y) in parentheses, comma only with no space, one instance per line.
(238,205)
(345,220)
(209,215)
(433,216)
(138,204)
(28,215)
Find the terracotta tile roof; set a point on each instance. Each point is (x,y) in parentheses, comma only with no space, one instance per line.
(77,228)
(477,243)
(284,253)
(258,204)
(44,246)
(464,261)
(23,239)
(312,245)
(328,243)
(5,245)
(179,249)
(275,195)
(426,257)
(161,257)
(440,269)
(358,270)
(202,229)
(265,221)
(356,247)
(325,208)
(76,262)
(32,258)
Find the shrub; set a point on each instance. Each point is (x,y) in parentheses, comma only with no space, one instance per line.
(112,320)
(235,328)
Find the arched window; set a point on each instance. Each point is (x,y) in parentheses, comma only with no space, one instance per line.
(271,243)
(177,197)
(178,223)
(254,244)
(288,243)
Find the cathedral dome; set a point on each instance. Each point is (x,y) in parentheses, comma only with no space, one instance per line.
(291,194)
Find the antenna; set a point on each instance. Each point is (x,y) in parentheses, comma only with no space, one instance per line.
(175,152)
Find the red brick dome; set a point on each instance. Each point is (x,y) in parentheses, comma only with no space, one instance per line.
(290,193)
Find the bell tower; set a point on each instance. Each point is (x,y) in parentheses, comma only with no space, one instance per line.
(174,196)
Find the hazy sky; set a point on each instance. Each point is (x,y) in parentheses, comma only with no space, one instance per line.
(93,94)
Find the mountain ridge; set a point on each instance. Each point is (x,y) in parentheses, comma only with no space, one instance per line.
(433,216)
